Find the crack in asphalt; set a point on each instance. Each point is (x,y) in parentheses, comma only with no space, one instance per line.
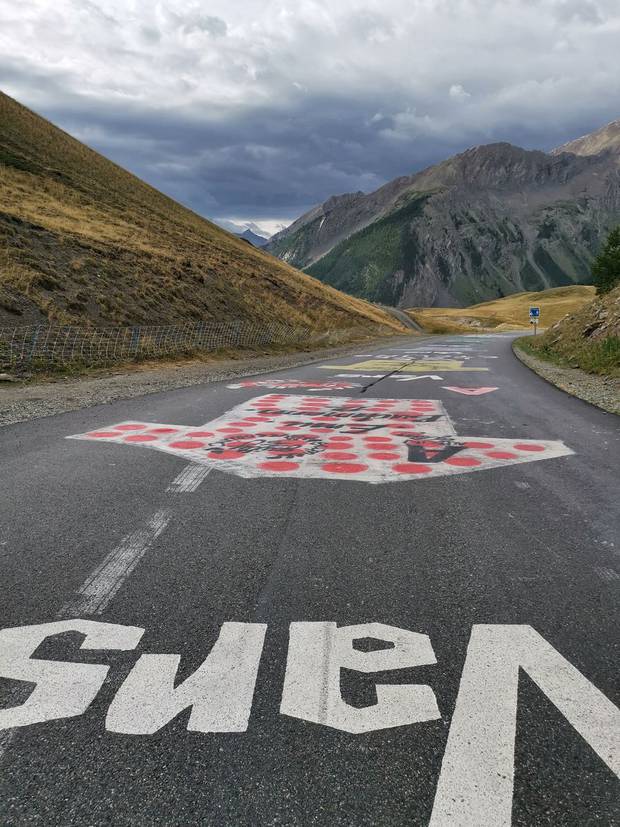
(391,373)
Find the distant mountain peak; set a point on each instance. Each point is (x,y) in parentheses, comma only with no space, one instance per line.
(493,220)
(607,138)
(254,238)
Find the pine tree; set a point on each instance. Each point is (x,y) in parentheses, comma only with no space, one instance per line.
(606,267)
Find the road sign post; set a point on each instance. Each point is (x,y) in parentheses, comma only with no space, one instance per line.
(534,317)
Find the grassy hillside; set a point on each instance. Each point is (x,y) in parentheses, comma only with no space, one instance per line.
(509,313)
(588,338)
(84,241)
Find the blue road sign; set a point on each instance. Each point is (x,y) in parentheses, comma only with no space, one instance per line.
(534,312)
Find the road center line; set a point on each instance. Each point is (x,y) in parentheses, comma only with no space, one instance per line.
(100,587)
(190,478)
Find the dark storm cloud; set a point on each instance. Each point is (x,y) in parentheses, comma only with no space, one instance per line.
(256,111)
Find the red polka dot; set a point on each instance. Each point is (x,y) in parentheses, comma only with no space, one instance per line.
(479,444)
(163,430)
(240,424)
(464,462)
(278,465)
(523,446)
(344,467)
(226,454)
(139,438)
(199,433)
(103,434)
(501,455)
(411,468)
(185,444)
(377,439)
(384,456)
(132,427)
(338,455)
(230,430)
(338,440)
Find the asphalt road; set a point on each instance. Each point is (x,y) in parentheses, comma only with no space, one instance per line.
(312,507)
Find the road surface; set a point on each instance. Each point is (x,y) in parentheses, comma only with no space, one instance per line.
(381,589)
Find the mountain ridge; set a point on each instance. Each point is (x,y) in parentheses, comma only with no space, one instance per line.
(495,219)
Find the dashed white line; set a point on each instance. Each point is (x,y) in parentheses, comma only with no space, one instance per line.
(101,586)
(607,574)
(190,478)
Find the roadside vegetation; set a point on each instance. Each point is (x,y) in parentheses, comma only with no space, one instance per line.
(589,338)
(606,267)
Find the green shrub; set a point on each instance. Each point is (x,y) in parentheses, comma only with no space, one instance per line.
(606,267)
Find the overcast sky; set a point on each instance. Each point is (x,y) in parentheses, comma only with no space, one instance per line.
(255,110)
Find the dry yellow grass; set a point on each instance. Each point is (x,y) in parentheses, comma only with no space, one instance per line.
(588,338)
(84,241)
(509,313)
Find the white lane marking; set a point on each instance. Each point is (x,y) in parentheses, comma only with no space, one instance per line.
(190,478)
(477,772)
(101,586)
(607,574)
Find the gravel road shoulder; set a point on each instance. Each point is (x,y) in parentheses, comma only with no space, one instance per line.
(602,391)
(20,402)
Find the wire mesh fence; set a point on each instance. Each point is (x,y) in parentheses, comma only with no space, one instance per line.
(57,345)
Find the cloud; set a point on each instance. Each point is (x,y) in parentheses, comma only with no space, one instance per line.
(255,110)
(457,92)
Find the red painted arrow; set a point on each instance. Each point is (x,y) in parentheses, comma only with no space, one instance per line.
(469,391)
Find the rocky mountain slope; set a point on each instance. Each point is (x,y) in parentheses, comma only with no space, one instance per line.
(488,222)
(83,241)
